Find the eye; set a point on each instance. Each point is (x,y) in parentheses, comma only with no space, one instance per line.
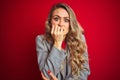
(67,20)
(56,18)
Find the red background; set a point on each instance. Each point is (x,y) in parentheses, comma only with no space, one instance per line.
(22,20)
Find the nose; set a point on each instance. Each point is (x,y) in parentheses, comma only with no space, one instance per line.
(60,23)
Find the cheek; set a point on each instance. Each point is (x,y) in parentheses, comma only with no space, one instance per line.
(53,22)
(67,28)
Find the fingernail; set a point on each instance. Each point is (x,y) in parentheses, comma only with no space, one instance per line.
(49,71)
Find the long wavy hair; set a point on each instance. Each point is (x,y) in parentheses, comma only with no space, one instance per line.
(73,39)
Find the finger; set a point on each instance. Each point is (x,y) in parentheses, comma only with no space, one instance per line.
(52,30)
(61,30)
(44,78)
(55,30)
(58,30)
(52,76)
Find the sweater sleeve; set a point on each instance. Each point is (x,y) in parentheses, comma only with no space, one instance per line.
(48,60)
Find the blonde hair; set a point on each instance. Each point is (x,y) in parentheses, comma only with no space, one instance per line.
(73,38)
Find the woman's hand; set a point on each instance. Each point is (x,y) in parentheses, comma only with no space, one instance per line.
(43,77)
(51,75)
(57,34)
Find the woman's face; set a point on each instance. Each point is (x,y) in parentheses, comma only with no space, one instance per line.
(60,18)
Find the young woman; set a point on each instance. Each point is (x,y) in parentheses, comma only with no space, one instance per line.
(62,50)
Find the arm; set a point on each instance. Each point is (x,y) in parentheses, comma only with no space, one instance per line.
(48,60)
(83,73)
(86,71)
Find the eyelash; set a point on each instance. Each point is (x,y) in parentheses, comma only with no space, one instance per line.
(65,20)
(56,19)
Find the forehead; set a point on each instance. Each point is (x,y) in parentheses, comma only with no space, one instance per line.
(60,12)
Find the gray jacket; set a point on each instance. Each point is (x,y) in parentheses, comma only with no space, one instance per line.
(57,61)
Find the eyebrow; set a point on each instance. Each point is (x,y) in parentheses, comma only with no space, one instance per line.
(59,16)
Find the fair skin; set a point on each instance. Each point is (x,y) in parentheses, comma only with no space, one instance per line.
(51,75)
(60,26)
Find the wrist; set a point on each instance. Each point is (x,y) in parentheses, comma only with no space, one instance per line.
(58,45)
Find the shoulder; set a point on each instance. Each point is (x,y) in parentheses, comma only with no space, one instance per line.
(40,37)
(41,42)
